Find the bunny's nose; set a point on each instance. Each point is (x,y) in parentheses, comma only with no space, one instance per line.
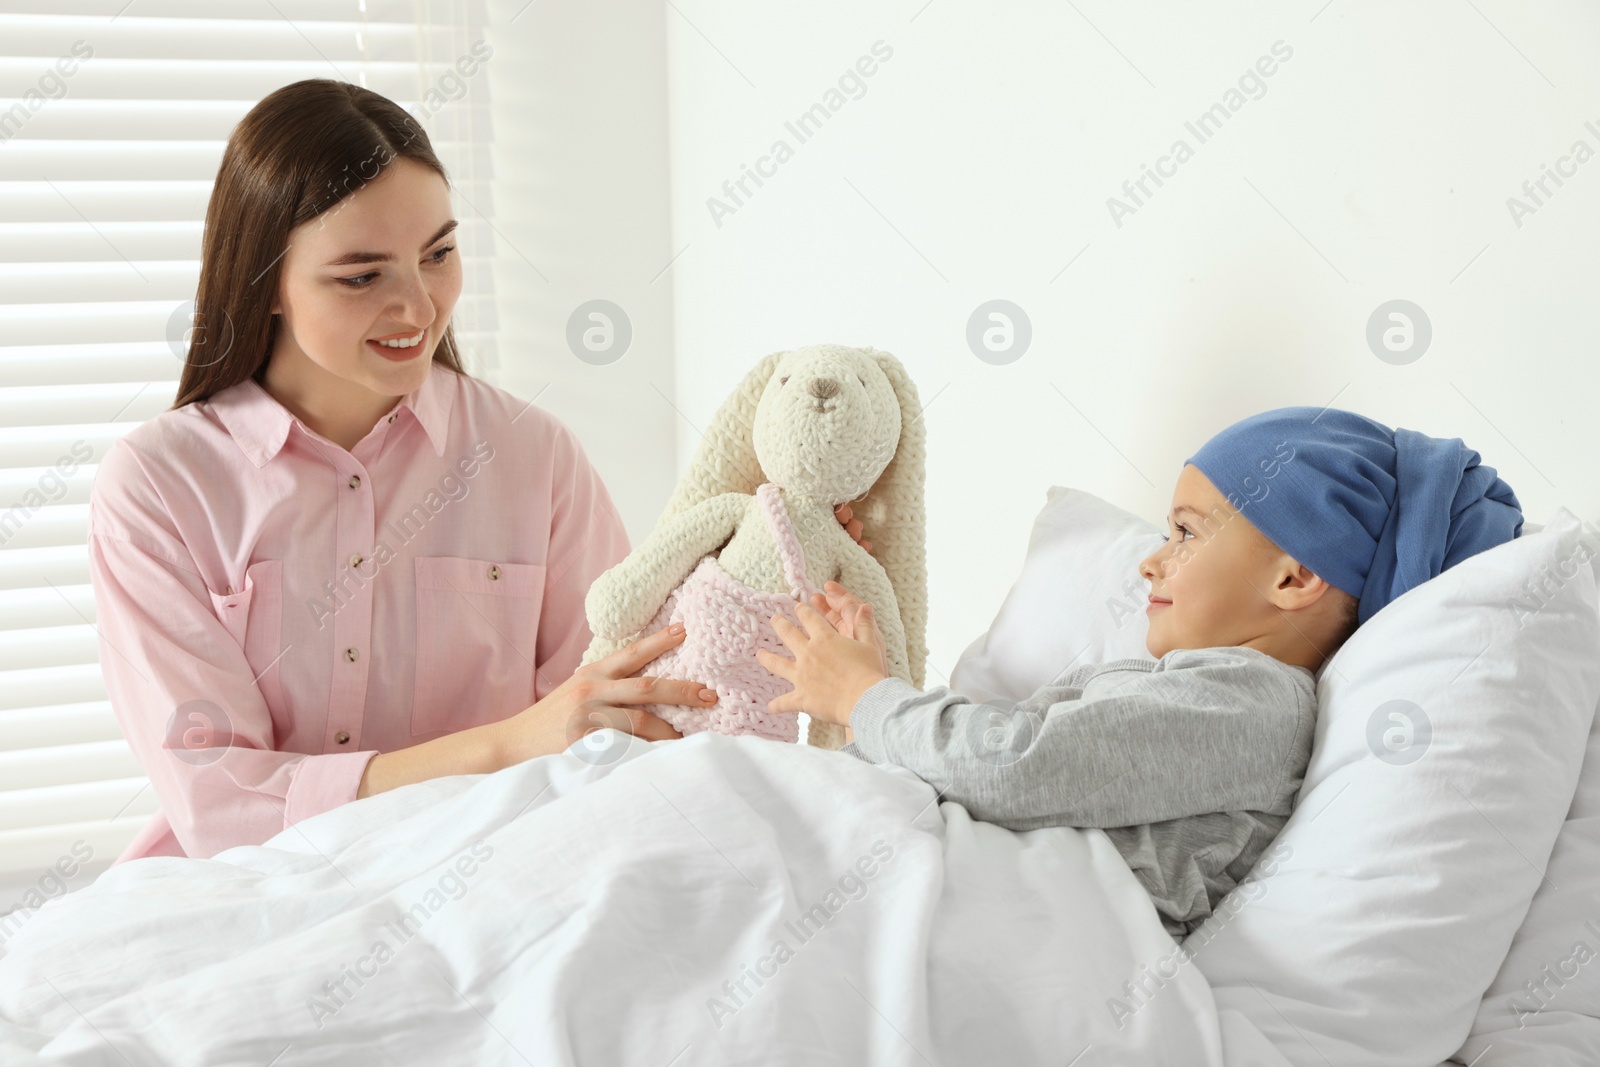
(823,388)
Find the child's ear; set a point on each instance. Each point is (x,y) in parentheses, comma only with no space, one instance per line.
(1299,586)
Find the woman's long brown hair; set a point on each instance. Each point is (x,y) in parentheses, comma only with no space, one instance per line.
(297,154)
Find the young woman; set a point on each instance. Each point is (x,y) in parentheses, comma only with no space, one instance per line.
(340,564)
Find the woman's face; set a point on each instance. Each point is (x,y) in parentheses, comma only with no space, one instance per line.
(378,265)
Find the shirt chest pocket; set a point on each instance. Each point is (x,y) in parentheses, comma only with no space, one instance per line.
(477,630)
(253,617)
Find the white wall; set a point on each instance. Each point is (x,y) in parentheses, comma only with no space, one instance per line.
(580,205)
(977,165)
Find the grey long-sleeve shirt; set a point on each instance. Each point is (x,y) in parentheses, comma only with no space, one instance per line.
(1190,763)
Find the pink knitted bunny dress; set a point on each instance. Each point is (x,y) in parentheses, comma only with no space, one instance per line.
(725,621)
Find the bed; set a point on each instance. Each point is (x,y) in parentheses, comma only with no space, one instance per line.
(735,900)
(697,901)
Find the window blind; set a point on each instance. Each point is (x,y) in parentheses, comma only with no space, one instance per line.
(104,177)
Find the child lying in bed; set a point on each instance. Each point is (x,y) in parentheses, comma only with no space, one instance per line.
(1289,530)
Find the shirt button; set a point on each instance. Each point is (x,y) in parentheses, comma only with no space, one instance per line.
(355,481)
(355,560)
(391,418)
(342,737)
(494,572)
(350,654)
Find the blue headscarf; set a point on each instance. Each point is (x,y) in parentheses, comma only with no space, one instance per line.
(1374,511)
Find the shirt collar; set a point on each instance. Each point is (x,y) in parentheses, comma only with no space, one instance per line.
(260,424)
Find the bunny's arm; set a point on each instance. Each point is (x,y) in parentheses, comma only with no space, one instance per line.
(866,578)
(624,599)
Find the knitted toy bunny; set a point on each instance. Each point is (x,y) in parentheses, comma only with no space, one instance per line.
(750,533)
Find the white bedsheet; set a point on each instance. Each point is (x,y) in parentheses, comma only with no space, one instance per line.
(572,910)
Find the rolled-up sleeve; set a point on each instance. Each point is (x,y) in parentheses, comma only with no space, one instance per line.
(181,687)
(587,538)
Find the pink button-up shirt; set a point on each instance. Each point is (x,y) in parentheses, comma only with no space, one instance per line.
(274,611)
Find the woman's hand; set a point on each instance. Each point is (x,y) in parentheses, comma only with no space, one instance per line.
(851,524)
(837,656)
(597,696)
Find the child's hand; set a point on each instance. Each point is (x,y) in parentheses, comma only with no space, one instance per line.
(852,525)
(829,670)
(841,606)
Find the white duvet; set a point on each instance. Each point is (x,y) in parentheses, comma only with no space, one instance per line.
(710,900)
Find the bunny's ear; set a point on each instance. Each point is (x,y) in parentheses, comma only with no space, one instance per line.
(894,518)
(726,460)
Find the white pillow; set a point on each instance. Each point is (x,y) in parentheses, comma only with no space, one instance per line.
(1079,600)
(1557,1024)
(1393,911)
(1450,731)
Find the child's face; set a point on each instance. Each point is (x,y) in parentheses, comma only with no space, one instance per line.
(1217,571)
